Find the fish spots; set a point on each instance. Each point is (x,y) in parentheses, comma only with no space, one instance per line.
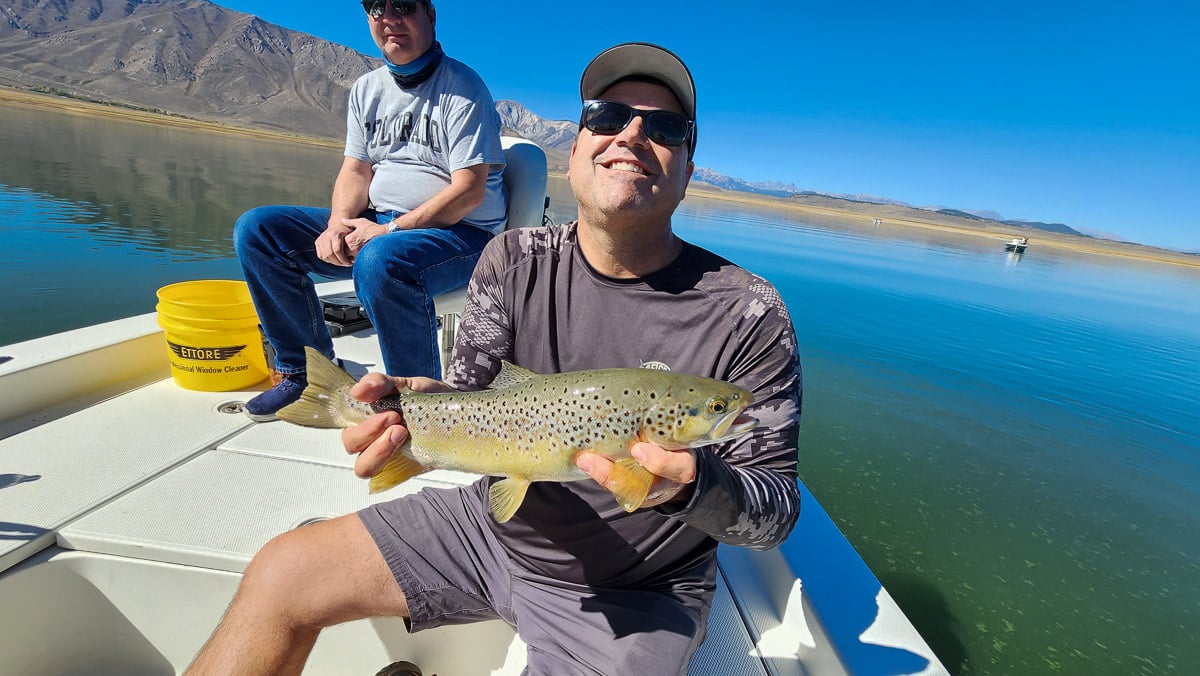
(545,421)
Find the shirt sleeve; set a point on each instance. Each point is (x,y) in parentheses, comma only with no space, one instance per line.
(356,133)
(485,334)
(473,128)
(745,491)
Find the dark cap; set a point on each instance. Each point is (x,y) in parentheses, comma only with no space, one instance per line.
(639,58)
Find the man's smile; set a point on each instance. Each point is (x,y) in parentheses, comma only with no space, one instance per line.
(625,165)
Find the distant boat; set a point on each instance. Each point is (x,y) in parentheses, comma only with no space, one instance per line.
(1016,244)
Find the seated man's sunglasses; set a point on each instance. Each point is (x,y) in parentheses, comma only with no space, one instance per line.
(608,118)
(376,8)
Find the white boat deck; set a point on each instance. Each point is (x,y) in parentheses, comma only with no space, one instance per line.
(153,499)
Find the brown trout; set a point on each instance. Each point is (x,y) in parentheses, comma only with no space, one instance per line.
(529,427)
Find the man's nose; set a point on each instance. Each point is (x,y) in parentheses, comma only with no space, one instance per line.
(635,132)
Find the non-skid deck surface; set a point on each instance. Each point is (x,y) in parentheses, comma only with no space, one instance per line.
(65,468)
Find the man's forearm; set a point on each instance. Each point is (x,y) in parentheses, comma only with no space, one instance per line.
(351,192)
(451,204)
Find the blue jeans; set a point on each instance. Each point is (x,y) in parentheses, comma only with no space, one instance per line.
(396,277)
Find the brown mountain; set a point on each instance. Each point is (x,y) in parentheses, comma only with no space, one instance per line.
(200,60)
(188,57)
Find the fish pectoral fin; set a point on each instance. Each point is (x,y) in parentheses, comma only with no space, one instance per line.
(510,374)
(630,483)
(506,497)
(398,469)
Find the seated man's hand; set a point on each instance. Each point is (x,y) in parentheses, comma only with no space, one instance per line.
(331,244)
(674,471)
(364,230)
(377,438)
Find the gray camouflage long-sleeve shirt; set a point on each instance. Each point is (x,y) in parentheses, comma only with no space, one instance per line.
(535,301)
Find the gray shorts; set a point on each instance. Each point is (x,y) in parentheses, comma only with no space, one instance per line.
(453,571)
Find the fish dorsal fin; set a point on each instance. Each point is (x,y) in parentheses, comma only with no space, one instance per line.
(629,483)
(506,496)
(398,469)
(510,374)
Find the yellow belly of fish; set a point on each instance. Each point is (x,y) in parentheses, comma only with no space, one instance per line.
(512,444)
(514,435)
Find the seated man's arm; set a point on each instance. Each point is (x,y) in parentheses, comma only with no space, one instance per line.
(350,198)
(350,190)
(450,204)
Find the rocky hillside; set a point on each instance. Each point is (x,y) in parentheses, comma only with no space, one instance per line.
(554,136)
(188,57)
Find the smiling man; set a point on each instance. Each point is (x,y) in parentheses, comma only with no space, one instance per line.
(418,196)
(591,588)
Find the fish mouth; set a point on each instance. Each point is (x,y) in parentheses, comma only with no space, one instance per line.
(731,426)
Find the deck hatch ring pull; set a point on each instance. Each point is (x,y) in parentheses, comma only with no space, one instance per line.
(231,407)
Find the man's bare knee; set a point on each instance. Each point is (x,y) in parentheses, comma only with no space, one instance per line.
(275,581)
(322,574)
(299,583)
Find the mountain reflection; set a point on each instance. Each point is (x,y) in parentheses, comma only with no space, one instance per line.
(158,187)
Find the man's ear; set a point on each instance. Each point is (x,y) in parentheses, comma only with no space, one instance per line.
(571,156)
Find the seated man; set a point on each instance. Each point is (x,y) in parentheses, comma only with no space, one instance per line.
(591,589)
(418,196)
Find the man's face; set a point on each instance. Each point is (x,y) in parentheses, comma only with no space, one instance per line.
(403,38)
(627,173)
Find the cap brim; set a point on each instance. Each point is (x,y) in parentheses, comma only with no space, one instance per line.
(639,58)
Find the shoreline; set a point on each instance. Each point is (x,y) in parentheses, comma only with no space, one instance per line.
(73,106)
(861,216)
(864,218)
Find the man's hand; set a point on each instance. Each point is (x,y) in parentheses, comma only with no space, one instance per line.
(331,244)
(674,471)
(364,231)
(378,437)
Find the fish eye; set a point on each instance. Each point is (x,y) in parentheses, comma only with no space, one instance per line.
(717,405)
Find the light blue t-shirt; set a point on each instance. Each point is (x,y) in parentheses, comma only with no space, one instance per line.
(415,138)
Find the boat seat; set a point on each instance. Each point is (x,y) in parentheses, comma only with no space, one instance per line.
(525,178)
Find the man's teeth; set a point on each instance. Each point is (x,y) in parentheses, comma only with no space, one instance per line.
(626,166)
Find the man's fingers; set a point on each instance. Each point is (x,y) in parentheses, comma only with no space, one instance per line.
(596,466)
(674,466)
(600,468)
(370,461)
(375,386)
(677,466)
(358,438)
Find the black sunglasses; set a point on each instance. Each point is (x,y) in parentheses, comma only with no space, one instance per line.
(376,8)
(608,118)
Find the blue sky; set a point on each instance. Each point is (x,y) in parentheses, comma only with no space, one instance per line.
(1081,113)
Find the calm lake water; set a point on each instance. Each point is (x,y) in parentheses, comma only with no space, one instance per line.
(1011,443)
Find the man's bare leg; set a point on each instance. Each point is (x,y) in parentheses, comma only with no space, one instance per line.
(299,583)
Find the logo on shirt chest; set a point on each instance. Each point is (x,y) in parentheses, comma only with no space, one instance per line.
(406,128)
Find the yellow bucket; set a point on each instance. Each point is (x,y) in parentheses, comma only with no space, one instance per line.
(213,340)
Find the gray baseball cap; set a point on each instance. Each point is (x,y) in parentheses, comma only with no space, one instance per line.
(639,58)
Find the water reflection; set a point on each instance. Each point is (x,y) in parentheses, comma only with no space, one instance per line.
(105,211)
(160,188)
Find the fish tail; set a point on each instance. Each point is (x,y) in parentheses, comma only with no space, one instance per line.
(506,496)
(326,400)
(398,469)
